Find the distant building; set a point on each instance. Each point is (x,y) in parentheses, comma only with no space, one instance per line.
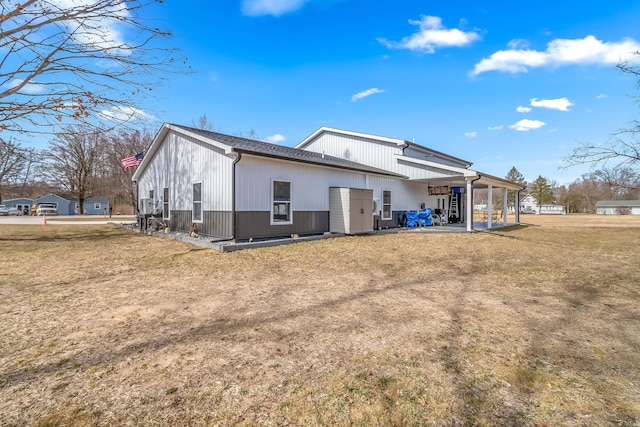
(529,204)
(96,205)
(65,204)
(23,204)
(618,207)
(552,209)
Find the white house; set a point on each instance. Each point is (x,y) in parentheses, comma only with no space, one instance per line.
(618,207)
(552,209)
(529,204)
(236,188)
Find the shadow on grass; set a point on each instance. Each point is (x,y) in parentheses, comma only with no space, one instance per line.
(77,233)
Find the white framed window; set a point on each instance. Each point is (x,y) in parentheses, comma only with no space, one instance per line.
(197,202)
(97,206)
(281,203)
(165,203)
(386,204)
(151,194)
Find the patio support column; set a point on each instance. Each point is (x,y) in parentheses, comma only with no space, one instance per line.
(489,206)
(469,195)
(517,206)
(505,205)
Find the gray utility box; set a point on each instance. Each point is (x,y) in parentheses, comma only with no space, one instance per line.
(350,210)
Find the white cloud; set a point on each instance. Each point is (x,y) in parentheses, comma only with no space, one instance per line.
(125,114)
(358,96)
(29,88)
(519,44)
(471,134)
(271,7)
(96,30)
(523,109)
(432,35)
(602,95)
(499,127)
(274,139)
(526,125)
(560,52)
(560,104)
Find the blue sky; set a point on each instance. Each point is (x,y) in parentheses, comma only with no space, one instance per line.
(497,83)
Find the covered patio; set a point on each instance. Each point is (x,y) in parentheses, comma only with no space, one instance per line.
(454,188)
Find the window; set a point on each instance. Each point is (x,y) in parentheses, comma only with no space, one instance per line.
(281,206)
(197,202)
(96,206)
(386,204)
(165,204)
(151,194)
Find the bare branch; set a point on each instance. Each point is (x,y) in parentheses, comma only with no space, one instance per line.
(79,62)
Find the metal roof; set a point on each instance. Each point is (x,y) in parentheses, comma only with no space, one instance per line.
(265,149)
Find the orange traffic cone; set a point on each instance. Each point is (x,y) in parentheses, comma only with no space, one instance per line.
(44,220)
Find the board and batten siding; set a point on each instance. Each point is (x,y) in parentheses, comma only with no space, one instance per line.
(415,171)
(181,161)
(366,151)
(405,195)
(309,183)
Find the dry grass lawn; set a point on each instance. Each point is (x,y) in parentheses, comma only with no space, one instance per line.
(539,325)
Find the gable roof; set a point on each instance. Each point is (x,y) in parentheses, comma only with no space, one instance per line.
(258,148)
(397,141)
(96,199)
(65,197)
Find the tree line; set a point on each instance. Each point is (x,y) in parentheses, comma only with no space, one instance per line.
(621,182)
(80,161)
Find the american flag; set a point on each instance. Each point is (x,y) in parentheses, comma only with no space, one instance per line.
(129,162)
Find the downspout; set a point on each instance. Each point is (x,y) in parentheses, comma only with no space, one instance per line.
(233,195)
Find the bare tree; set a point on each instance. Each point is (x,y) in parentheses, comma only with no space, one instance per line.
(72,158)
(117,183)
(16,166)
(623,147)
(203,123)
(70,62)
(11,162)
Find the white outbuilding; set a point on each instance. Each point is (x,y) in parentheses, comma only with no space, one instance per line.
(236,188)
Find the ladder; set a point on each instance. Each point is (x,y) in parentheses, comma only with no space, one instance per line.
(453,206)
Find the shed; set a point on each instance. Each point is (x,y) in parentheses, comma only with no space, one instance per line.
(96,205)
(618,207)
(351,210)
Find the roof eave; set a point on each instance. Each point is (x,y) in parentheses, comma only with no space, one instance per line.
(318,163)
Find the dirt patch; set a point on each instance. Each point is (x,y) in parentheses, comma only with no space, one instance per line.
(101,326)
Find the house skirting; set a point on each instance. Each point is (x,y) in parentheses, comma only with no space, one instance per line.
(257,224)
(214,223)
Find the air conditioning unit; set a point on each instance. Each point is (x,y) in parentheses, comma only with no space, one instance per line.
(146,206)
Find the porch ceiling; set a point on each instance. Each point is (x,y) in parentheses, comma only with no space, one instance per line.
(483,182)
